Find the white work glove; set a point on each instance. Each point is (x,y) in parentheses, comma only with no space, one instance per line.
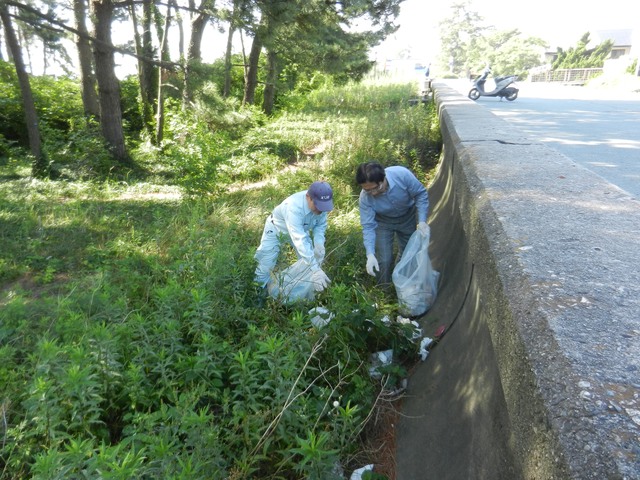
(320,280)
(318,252)
(424,230)
(372,264)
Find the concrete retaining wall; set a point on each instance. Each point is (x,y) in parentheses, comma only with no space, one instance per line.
(538,375)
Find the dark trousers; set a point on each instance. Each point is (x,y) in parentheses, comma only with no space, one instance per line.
(390,229)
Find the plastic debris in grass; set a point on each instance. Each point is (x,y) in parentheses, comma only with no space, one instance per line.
(425,343)
(416,333)
(292,284)
(358,473)
(378,360)
(385,357)
(320,317)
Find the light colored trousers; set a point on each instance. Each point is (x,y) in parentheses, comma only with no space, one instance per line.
(267,253)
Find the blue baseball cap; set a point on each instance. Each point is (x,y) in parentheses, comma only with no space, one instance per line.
(322,196)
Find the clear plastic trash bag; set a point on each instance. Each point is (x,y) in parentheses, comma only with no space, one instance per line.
(292,284)
(415,279)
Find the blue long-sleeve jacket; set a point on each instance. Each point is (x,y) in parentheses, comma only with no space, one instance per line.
(404,191)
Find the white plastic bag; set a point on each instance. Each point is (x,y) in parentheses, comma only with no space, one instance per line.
(378,360)
(357,474)
(415,279)
(292,284)
(320,317)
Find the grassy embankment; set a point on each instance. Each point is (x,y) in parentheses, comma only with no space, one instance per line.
(131,344)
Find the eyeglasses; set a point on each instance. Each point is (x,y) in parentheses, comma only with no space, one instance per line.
(375,189)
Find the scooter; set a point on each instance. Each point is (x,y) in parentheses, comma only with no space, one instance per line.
(502,90)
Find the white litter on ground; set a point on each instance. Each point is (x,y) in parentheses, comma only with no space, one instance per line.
(425,343)
(380,359)
(320,317)
(357,474)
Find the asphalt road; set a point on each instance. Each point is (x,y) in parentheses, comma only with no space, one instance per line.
(598,129)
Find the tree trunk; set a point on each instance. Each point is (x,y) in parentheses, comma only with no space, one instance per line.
(194,55)
(27,50)
(45,58)
(194,50)
(108,85)
(85,58)
(164,55)
(39,167)
(227,57)
(270,83)
(144,48)
(147,48)
(251,77)
(181,54)
(245,63)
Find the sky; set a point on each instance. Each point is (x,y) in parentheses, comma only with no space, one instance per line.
(560,23)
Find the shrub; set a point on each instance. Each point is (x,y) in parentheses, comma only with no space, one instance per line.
(12,127)
(133,343)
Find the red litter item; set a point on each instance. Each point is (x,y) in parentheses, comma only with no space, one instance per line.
(440,331)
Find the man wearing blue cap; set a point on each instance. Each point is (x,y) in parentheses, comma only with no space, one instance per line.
(301,220)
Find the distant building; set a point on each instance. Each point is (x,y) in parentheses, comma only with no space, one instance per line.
(623,41)
(623,54)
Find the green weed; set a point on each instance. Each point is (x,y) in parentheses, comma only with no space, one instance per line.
(132,345)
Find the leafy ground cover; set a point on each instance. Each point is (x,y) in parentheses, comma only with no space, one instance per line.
(132,345)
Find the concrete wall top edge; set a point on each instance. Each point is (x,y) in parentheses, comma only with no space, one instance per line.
(571,239)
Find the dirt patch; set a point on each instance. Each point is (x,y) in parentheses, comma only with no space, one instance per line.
(28,283)
(317,149)
(150,196)
(381,438)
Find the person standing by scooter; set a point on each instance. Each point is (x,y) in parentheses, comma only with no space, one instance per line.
(392,201)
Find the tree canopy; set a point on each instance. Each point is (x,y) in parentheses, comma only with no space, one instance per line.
(291,41)
(468,44)
(581,56)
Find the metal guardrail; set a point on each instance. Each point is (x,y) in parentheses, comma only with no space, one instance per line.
(575,76)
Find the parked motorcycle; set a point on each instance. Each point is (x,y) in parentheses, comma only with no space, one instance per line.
(503,87)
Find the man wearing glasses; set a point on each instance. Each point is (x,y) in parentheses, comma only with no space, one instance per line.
(391,202)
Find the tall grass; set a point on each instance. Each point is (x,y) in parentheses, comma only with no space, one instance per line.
(132,344)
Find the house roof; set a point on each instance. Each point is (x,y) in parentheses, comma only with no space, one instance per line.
(620,37)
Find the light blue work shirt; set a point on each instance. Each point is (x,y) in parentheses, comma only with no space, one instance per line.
(294,218)
(404,191)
